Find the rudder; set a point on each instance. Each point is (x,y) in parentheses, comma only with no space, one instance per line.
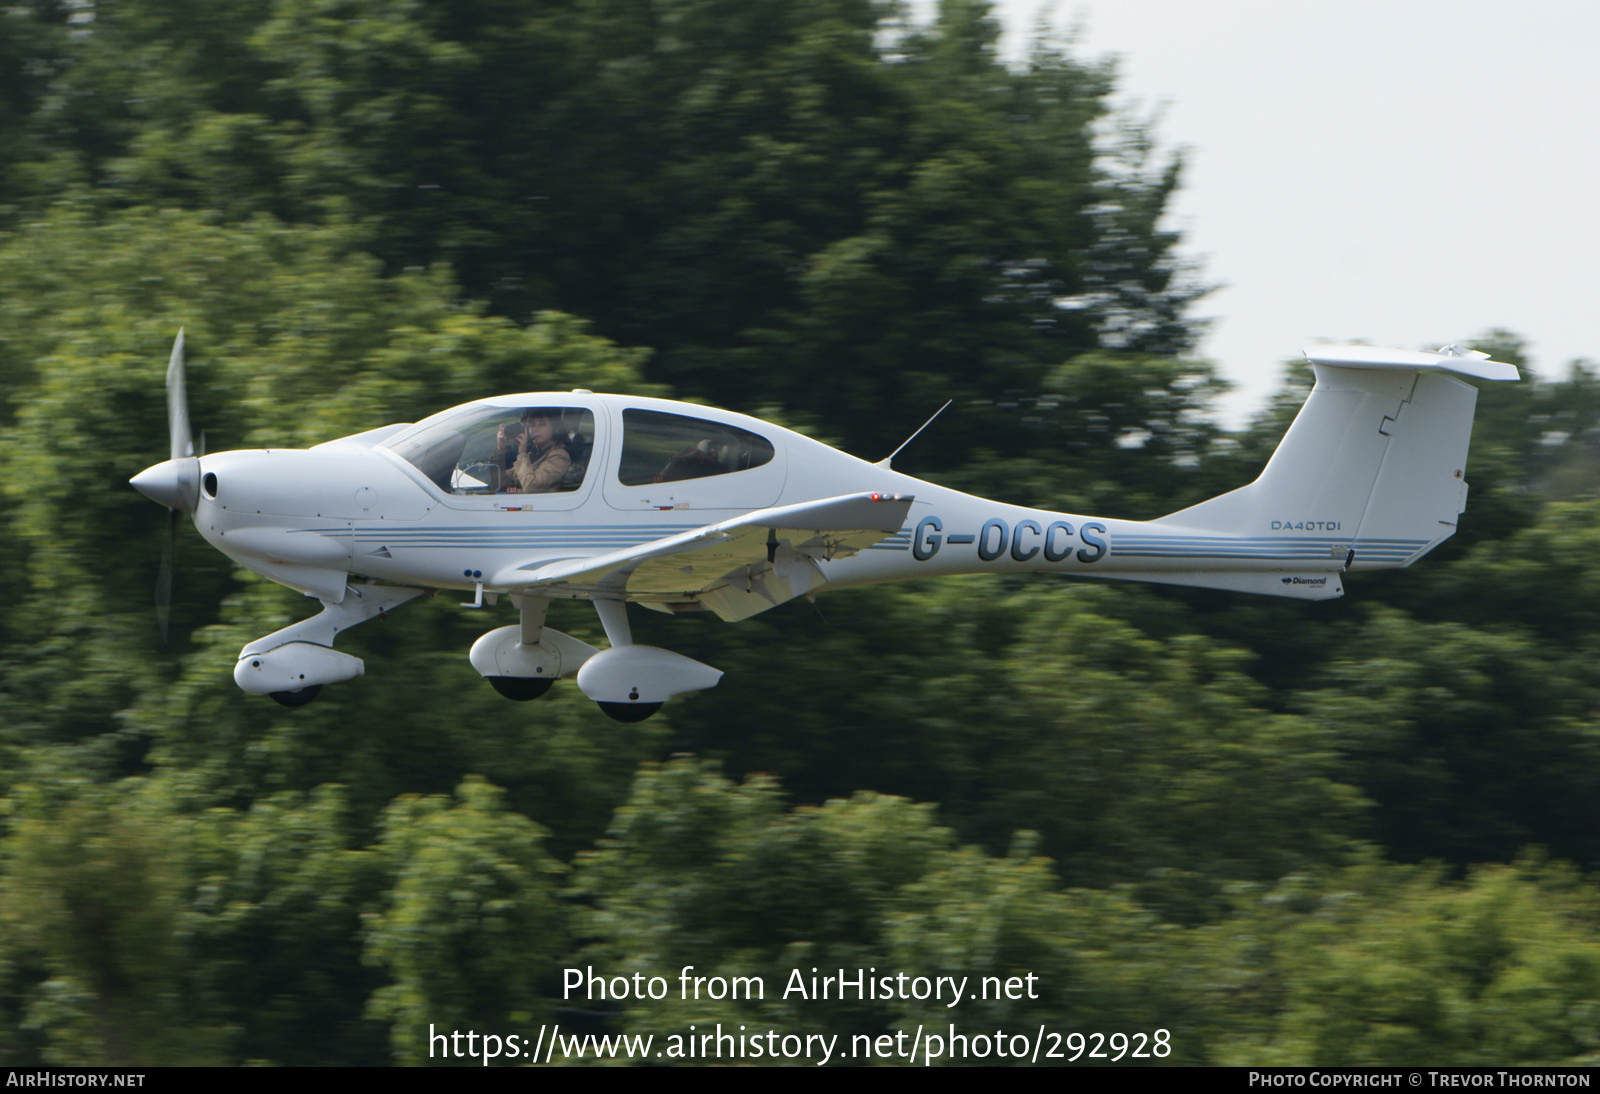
(1421,487)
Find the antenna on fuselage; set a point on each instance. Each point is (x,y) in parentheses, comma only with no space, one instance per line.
(884,463)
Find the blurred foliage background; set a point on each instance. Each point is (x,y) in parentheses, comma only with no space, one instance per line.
(1356,832)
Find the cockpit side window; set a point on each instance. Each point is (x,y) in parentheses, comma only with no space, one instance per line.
(658,447)
(503,450)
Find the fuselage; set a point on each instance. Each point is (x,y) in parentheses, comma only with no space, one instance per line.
(408,505)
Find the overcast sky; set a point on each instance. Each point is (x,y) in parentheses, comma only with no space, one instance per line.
(1405,173)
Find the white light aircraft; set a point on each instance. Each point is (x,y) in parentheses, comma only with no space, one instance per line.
(675,507)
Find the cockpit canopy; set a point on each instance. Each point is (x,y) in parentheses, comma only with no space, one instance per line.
(476,450)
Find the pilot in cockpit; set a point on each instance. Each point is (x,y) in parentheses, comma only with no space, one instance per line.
(540,461)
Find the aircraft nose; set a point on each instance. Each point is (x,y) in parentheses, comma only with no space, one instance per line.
(174,483)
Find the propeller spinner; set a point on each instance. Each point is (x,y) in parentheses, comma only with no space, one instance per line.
(175,483)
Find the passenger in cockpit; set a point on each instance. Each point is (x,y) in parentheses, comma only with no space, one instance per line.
(692,463)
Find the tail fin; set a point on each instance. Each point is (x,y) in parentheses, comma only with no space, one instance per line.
(1374,461)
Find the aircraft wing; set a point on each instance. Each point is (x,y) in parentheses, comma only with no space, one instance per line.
(737,568)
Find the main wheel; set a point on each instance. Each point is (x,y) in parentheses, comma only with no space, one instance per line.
(521,688)
(297,698)
(629,712)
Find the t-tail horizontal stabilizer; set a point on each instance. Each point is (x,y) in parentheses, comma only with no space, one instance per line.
(1371,472)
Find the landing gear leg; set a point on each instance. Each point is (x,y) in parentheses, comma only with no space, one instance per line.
(523,661)
(631,682)
(523,689)
(291,665)
(614,618)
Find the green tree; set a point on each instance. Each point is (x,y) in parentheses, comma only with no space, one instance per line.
(1139,749)
(472,930)
(1385,966)
(91,911)
(703,878)
(1474,742)
(810,203)
(295,338)
(697,871)
(276,926)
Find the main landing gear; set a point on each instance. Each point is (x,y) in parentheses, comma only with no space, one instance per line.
(629,683)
